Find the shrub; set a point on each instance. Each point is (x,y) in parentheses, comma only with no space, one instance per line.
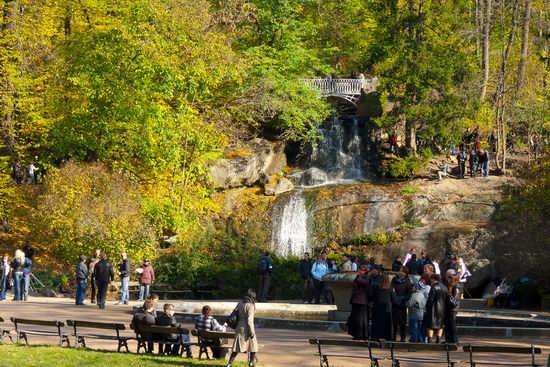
(403,167)
(380,237)
(410,190)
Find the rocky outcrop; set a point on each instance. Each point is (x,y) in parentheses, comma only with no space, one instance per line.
(262,159)
(278,185)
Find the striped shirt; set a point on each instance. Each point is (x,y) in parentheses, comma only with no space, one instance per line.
(209,323)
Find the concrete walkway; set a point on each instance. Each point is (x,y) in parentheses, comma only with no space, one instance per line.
(277,347)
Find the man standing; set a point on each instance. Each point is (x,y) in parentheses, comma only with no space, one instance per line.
(461,159)
(91,266)
(265,268)
(483,162)
(318,271)
(103,274)
(305,274)
(146,278)
(124,273)
(81,275)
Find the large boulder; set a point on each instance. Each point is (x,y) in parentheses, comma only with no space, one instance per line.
(479,279)
(262,159)
(276,186)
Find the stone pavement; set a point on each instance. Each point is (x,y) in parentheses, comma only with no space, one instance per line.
(277,347)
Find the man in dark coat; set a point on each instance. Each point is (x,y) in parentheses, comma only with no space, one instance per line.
(402,288)
(265,268)
(305,274)
(92,261)
(124,273)
(144,317)
(104,274)
(358,321)
(435,308)
(167,318)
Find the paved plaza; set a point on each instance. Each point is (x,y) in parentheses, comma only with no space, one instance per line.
(277,347)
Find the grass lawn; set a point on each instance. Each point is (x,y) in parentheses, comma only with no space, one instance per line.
(50,356)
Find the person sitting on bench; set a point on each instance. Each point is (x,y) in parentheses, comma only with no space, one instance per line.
(205,322)
(167,319)
(145,318)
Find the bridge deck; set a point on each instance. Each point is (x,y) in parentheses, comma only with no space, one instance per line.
(349,89)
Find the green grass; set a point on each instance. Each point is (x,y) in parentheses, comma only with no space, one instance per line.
(409,190)
(50,356)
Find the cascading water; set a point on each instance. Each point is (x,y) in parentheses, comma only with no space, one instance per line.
(290,235)
(338,155)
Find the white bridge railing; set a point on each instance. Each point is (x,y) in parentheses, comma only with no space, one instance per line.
(342,87)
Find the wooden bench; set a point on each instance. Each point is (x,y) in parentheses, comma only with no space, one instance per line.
(206,334)
(81,336)
(23,332)
(157,332)
(532,350)
(364,344)
(413,347)
(5,333)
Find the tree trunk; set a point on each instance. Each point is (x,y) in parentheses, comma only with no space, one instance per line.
(485,49)
(500,157)
(478,15)
(7,97)
(524,45)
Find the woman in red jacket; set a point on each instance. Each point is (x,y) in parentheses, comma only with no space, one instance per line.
(146,278)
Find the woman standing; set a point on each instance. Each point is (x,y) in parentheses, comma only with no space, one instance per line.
(4,273)
(245,334)
(358,321)
(17,267)
(381,310)
(451,308)
(435,308)
(401,286)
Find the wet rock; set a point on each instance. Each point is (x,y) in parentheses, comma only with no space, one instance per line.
(263,159)
(480,279)
(313,177)
(276,186)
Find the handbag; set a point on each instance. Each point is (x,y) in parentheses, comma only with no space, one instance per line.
(452,302)
(233,319)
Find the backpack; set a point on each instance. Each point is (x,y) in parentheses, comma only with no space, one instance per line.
(263,265)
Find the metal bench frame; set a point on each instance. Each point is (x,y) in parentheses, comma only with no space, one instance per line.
(532,350)
(448,348)
(155,329)
(368,344)
(207,334)
(22,334)
(80,338)
(5,333)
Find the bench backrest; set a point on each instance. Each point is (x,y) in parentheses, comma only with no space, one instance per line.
(345,343)
(155,329)
(54,323)
(208,334)
(96,325)
(496,349)
(532,350)
(420,346)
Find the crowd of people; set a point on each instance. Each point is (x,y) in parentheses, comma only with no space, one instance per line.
(99,271)
(245,340)
(427,302)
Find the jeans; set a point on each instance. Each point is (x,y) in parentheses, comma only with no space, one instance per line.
(26,284)
(80,291)
(307,291)
(143,291)
(124,293)
(485,169)
(3,286)
(461,169)
(18,284)
(414,331)
(102,288)
(319,287)
(265,280)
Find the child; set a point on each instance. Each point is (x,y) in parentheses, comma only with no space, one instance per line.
(416,306)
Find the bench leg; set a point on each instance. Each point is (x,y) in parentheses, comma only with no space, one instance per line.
(325,362)
(80,342)
(22,335)
(141,344)
(64,339)
(121,344)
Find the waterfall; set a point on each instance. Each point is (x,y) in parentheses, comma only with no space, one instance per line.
(338,155)
(290,216)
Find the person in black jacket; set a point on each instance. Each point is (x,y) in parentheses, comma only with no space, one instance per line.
(402,289)
(451,308)
(435,308)
(124,273)
(144,317)
(265,268)
(167,318)
(305,273)
(397,263)
(358,321)
(104,274)
(92,261)
(81,277)
(381,310)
